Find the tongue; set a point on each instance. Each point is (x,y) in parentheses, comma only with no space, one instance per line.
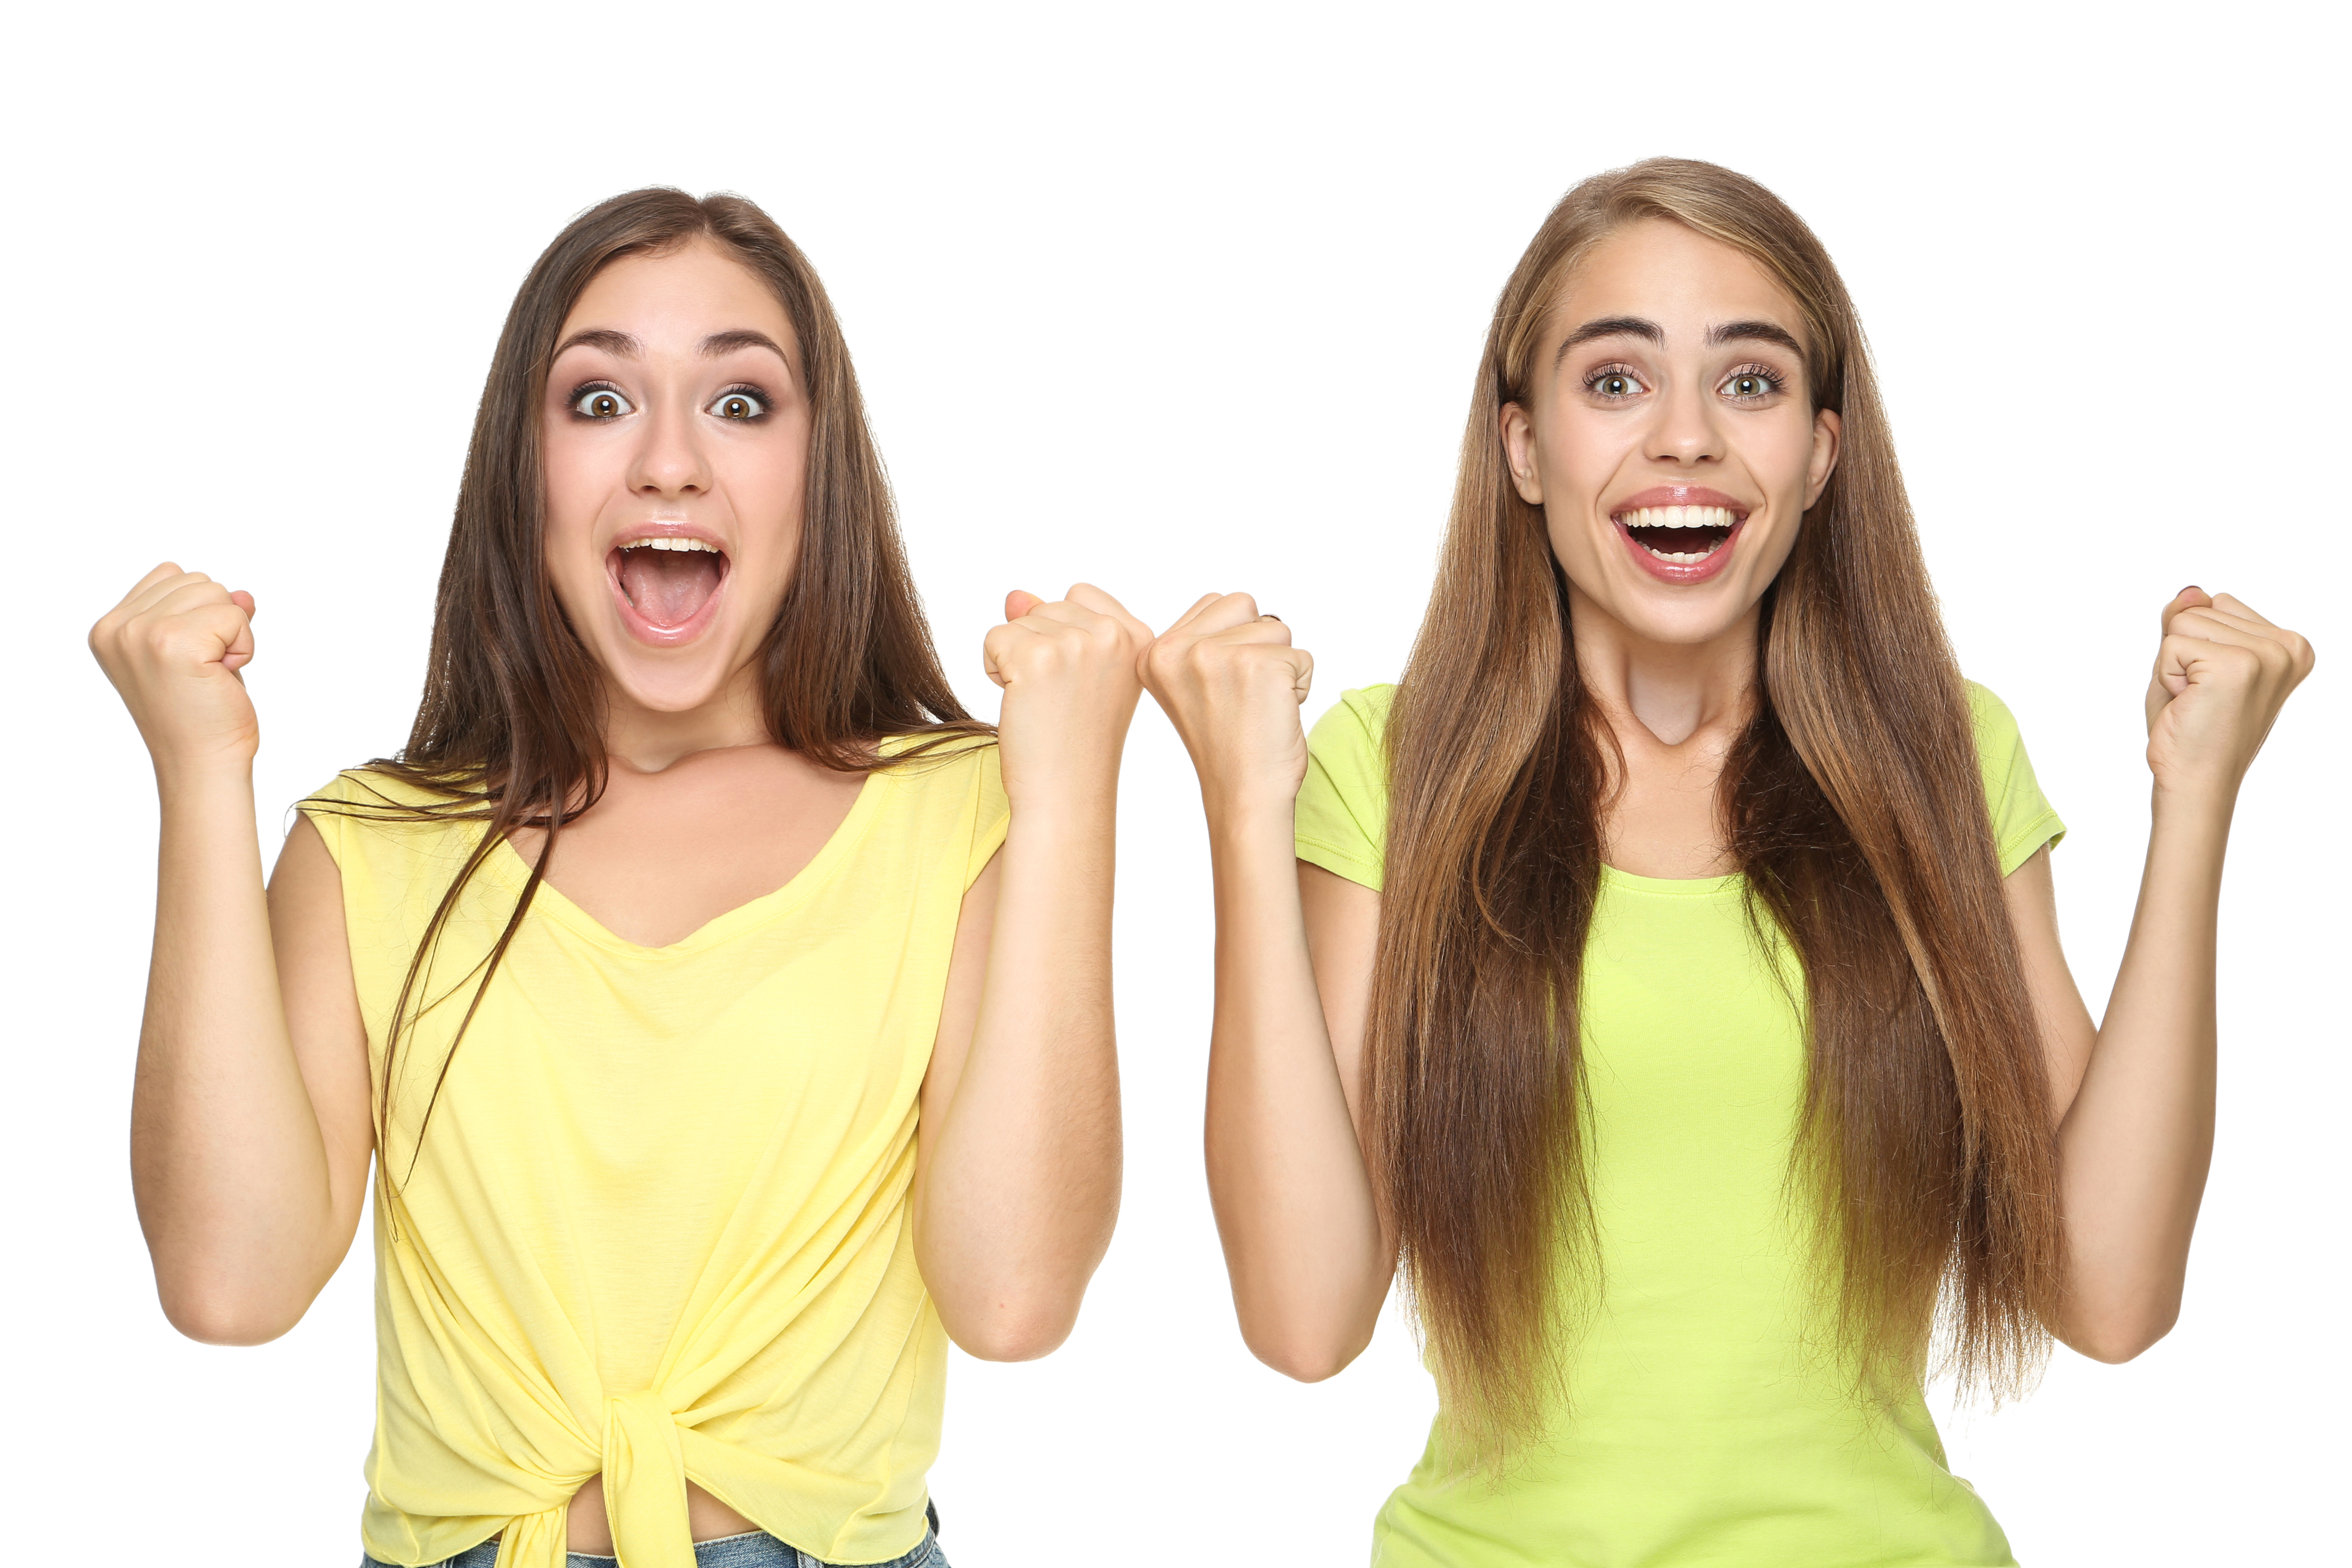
(1679,541)
(668,586)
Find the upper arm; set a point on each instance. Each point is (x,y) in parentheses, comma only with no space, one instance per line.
(323,1010)
(1343,929)
(959,1011)
(2067,1031)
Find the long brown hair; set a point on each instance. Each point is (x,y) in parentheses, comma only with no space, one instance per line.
(1852,802)
(510,730)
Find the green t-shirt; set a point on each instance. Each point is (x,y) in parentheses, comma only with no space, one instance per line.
(1709,1426)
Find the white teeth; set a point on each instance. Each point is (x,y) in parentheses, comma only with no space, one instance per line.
(670,541)
(1678,517)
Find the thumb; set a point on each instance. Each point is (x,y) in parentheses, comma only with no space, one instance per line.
(2192,597)
(1019,603)
(239,653)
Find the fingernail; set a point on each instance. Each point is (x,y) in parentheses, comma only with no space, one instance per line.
(2192,588)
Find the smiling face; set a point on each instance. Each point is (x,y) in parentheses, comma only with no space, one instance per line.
(1667,433)
(674,439)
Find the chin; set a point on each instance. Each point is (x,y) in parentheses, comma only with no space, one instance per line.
(1683,621)
(670,685)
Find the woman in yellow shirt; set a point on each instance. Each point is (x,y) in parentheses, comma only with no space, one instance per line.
(1664,972)
(727,1013)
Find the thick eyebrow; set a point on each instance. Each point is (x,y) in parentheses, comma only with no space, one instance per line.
(605,338)
(718,344)
(1760,331)
(1611,327)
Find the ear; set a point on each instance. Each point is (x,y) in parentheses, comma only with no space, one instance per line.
(1518,433)
(1827,426)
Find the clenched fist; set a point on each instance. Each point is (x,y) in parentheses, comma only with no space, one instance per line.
(2223,673)
(1232,684)
(1068,670)
(172,649)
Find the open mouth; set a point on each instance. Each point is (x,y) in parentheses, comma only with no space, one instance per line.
(669,580)
(1680,535)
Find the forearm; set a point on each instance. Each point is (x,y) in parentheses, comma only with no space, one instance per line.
(1023,1184)
(1294,1202)
(2138,1139)
(228,1165)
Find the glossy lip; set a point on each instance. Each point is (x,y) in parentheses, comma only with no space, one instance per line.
(649,632)
(1680,495)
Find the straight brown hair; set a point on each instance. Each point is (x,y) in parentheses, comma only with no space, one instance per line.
(1854,804)
(510,730)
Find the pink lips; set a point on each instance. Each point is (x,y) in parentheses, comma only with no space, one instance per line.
(1677,572)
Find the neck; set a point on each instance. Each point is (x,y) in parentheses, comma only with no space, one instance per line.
(647,740)
(1671,692)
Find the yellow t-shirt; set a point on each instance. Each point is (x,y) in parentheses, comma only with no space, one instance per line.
(658,1227)
(1706,1427)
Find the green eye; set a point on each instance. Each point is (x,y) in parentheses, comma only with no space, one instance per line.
(738,405)
(600,403)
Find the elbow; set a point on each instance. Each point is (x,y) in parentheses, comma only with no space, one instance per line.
(1306,1363)
(2117,1340)
(215,1314)
(1013,1330)
(1304,1356)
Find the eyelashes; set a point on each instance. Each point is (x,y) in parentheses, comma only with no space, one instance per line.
(1769,382)
(1744,384)
(598,402)
(1613,383)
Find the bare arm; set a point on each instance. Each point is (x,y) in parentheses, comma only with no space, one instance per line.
(1017,1170)
(250,1134)
(2135,1093)
(1309,1256)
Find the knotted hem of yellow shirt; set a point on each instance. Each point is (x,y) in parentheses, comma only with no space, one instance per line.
(645,1495)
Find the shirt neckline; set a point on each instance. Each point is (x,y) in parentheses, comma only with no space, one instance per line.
(515,871)
(1672,887)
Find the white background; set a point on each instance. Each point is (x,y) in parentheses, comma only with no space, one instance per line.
(1168,298)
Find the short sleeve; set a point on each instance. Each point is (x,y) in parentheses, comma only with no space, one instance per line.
(354,800)
(1343,803)
(320,806)
(994,817)
(2023,818)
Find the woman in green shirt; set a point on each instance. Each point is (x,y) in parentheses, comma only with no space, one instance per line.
(1665,974)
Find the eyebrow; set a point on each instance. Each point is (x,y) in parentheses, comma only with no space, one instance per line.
(1611,327)
(618,344)
(718,344)
(1759,332)
(624,347)
(1641,327)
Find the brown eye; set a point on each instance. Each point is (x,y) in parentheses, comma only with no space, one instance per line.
(1612,384)
(1750,383)
(600,403)
(738,405)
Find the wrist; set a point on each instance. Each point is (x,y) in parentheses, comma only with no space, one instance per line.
(2197,799)
(195,782)
(1244,812)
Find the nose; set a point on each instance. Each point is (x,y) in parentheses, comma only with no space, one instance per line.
(1684,429)
(669,459)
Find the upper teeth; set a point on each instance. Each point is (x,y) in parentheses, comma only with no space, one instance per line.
(670,541)
(1678,517)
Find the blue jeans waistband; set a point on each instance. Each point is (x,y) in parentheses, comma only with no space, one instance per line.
(752,1551)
